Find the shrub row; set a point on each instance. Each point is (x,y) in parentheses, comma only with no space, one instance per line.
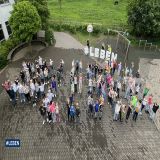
(74,27)
(49,36)
(5,48)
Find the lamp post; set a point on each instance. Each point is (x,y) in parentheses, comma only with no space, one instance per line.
(89,29)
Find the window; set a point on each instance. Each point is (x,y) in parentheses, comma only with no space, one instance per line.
(4,1)
(1,33)
(8,28)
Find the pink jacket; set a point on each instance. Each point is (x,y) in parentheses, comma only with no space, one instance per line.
(52,108)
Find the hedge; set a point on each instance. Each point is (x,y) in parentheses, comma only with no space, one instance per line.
(5,48)
(80,27)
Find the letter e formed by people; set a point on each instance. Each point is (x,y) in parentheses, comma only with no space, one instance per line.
(97,52)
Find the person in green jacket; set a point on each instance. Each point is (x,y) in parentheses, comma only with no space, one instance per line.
(145,92)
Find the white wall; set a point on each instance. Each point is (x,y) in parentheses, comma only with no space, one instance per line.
(5,10)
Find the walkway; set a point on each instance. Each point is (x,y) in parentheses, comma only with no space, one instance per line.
(64,40)
(92,140)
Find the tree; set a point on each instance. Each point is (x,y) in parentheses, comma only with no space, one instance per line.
(24,21)
(43,11)
(144,17)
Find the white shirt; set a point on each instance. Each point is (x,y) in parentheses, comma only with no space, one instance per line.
(80,64)
(73,63)
(32,86)
(50,96)
(90,83)
(90,100)
(137,88)
(117,108)
(57,109)
(80,80)
(72,87)
(41,87)
(20,89)
(40,61)
(26,89)
(75,80)
(15,88)
(46,102)
(45,72)
(62,61)
(36,87)
(51,62)
(119,85)
(144,102)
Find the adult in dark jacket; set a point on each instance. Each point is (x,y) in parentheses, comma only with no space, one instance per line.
(42,111)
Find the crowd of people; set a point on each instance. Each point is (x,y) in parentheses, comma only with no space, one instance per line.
(37,84)
(120,87)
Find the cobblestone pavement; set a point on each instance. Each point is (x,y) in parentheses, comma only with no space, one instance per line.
(90,140)
(149,69)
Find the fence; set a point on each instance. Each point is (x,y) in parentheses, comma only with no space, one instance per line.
(148,45)
(119,43)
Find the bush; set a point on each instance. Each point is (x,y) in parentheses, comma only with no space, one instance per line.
(3,60)
(49,36)
(5,48)
(78,27)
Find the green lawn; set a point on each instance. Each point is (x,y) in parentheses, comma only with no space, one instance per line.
(89,11)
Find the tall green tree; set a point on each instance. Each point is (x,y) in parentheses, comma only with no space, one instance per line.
(43,11)
(24,21)
(144,17)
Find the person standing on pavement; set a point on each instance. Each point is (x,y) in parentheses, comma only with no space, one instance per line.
(54,85)
(117,110)
(50,95)
(144,103)
(136,111)
(72,113)
(77,113)
(52,110)
(122,112)
(68,108)
(118,88)
(149,104)
(7,85)
(13,96)
(80,66)
(75,83)
(153,111)
(21,91)
(119,68)
(129,110)
(27,93)
(96,109)
(90,104)
(57,112)
(80,83)
(43,112)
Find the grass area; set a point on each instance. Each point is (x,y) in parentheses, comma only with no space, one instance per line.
(89,11)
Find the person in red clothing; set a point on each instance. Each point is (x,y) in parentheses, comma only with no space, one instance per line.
(7,85)
(149,103)
(52,110)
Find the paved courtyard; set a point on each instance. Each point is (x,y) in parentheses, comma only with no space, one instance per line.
(90,140)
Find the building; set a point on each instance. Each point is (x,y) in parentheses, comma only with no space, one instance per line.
(5,12)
